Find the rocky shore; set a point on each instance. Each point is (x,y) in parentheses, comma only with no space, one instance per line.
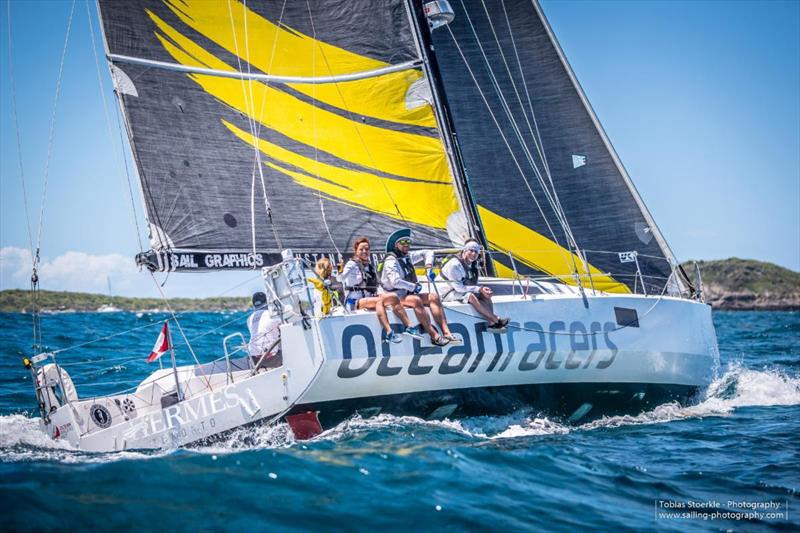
(748,285)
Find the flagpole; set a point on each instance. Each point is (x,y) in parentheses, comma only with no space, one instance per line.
(174,367)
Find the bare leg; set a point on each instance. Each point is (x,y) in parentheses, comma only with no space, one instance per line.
(415,302)
(435,304)
(391,301)
(480,307)
(376,303)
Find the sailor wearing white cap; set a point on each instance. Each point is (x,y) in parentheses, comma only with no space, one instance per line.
(460,273)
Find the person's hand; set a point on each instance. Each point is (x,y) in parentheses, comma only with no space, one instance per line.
(327,283)
(431,274)
(486,291)
(417,288)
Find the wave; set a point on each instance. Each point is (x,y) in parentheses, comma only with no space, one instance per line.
(738,387)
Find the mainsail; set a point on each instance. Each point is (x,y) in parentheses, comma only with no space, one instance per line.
(260,126)
(545,178)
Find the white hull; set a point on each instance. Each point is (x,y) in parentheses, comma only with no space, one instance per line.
(554,339)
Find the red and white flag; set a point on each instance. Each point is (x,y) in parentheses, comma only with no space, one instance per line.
(161,346)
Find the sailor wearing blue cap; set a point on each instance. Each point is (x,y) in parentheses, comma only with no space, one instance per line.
(399,276)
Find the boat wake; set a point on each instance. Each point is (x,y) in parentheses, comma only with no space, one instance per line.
(738,387)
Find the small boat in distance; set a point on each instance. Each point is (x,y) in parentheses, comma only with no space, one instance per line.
(267,135)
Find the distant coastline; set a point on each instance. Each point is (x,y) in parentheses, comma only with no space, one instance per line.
(748,285)
(19,301)
(728,284)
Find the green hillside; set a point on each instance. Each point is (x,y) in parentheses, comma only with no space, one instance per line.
(748,284)
(14,301)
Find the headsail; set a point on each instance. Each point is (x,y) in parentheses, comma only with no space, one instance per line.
(270,125)
(534,152)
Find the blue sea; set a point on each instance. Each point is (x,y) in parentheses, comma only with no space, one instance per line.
(730,461)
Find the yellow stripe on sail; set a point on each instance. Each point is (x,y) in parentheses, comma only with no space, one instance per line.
(389,151)
(427,204)
(539,252)
(393,152)
(282,51)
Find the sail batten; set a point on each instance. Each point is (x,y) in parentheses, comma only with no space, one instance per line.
(408,65)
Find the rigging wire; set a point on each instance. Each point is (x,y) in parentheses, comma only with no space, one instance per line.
(502,134)
(515,127)
(553,201)
(260,124)
(180,328)
(247,93)
(314,130)
(537,138)
(52,131)
(525,86)
(35,318)
(117,149)
(357,129)
(17,130)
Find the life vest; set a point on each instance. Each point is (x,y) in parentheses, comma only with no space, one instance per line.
(409,273)
(325,294)
(369,279)
(471,270)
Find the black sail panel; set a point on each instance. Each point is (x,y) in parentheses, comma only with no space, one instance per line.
(344,142)
(521,121)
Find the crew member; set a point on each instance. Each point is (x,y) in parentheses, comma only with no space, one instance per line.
(324,292)
(460,272)
(360,279)
(265,334)
(399,277)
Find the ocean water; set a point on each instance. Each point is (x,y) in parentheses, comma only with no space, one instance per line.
(730,461)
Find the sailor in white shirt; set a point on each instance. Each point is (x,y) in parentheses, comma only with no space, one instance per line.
(360,280)
(399,276)
(263,325)
(460,274)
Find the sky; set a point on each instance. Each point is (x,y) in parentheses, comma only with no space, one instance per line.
(701,100)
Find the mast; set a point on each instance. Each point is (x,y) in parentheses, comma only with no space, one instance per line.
(442,111)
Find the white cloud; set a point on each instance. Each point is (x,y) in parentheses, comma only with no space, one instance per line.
(82,272)
(73,271)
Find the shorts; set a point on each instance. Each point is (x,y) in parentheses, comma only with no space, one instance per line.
(455,296)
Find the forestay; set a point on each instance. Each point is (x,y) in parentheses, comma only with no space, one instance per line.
(260,126)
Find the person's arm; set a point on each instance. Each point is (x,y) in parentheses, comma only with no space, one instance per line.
(453,271)
(392,276)
(422,255)
(351,275)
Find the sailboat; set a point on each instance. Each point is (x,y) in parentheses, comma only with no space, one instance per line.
(267,135)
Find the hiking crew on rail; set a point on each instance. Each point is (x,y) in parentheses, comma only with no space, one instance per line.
(360,280)
(460,274)
(398,276)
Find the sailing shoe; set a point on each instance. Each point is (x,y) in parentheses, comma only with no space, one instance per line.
(414,332)
(454,339)
(499,327)
(391,337)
